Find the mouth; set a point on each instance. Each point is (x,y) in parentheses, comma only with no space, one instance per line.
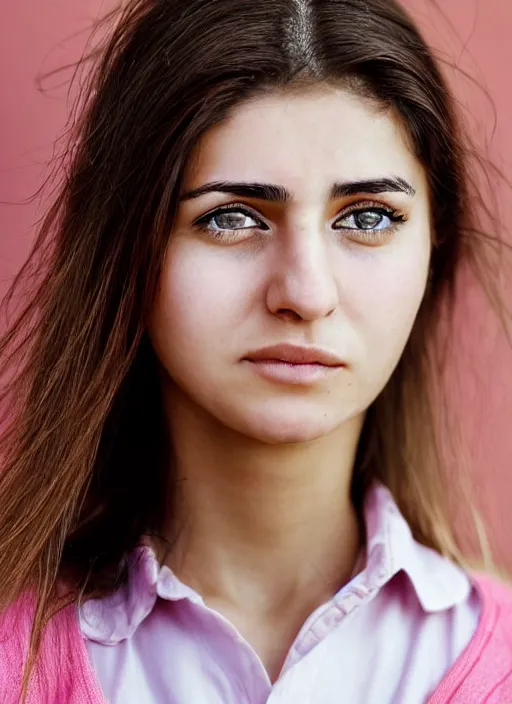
(294,364)
(293,354)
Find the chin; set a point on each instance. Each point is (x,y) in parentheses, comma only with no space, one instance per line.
(286,435)
(286,426)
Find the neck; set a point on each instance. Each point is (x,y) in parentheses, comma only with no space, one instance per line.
(260,522)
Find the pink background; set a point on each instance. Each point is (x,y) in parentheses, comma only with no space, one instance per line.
(39,35)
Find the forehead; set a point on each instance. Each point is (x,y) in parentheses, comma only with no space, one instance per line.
(304,141)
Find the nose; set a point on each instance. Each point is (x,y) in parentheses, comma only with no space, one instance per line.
(303,285)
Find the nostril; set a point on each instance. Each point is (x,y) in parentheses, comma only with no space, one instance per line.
(288,314)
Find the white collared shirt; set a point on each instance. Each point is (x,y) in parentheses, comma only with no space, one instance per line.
(387,637)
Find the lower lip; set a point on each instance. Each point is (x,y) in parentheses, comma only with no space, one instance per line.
(289,373)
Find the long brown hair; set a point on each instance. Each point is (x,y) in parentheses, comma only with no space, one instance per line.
(86,463)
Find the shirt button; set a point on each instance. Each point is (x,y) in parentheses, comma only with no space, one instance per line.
(307,643)
(332,618)
(349,603)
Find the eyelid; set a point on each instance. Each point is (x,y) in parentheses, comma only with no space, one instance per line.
(368,205)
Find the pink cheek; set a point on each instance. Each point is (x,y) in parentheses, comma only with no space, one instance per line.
(195,295)
(388,298)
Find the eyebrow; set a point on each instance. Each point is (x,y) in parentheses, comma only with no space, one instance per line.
(279,194)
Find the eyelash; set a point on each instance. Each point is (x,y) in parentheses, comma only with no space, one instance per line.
(371,236)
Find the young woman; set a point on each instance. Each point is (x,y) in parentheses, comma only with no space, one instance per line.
(223,469)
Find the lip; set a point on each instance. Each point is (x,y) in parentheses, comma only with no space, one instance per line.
(296,355)
(291,364)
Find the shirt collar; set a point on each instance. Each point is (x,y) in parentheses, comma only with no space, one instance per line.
(390,548)
(438,583)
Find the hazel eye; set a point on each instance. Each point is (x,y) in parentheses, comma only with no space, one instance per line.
(231,220)
(369,219)
(230,223)
(369,225)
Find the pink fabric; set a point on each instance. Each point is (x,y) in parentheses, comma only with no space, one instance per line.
(65,675)
(482,675)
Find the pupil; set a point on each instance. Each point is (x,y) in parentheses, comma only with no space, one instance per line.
(368,219)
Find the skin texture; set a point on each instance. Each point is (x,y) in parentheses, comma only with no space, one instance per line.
(263,510)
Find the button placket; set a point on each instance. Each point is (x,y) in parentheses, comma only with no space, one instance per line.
(332,618)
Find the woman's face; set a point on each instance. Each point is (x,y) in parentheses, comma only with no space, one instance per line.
(303,227)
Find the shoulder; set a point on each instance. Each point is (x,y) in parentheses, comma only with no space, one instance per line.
(483,672)
(51,669)
(15,627)
(495,627)
(488,660)
(496,598)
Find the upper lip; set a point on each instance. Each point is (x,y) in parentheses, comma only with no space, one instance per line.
(296,354)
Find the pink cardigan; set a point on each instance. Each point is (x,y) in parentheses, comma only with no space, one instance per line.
(64,674)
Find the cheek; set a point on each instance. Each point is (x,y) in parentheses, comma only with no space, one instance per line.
(385,295)
(200,302)
(389,299)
